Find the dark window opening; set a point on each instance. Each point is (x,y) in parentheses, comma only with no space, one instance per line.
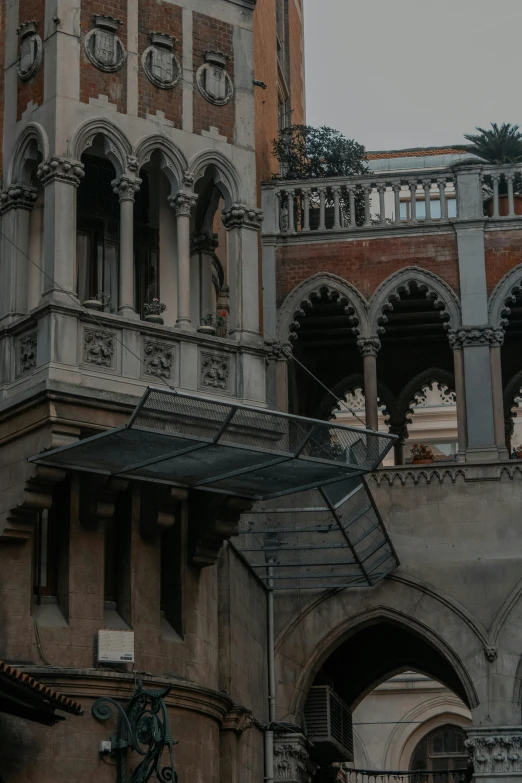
(117,546)
(171,575)
(146,248)
(443,749)
(50,548)
(98,234)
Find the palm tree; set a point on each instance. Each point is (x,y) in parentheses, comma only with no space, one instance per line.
(498,145)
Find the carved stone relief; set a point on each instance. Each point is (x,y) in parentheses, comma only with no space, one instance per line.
(213,81)
(31,49)
(158,359)
(102,46)
(27,352)
(98,347)
(160,63)
(291,759)
(495,750)
(215,371)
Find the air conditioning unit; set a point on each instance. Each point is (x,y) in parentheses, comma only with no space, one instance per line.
(328,725)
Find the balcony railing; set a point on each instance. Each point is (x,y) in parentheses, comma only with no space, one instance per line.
(351,775)
(387,200)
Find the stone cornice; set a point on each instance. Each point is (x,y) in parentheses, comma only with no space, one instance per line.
(384,231)
(439,472)
(93,683)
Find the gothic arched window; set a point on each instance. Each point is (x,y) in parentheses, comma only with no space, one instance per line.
(442,749)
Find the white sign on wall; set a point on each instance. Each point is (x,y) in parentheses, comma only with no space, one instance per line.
(116,646)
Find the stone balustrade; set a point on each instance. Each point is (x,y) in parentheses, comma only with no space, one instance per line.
(390,200)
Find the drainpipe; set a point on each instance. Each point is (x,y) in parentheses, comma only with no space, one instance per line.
(269,734)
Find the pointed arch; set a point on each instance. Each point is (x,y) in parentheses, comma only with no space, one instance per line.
(32,140)
(304,293)
(406,399)
(356,381)
(503,295)
(226,176)
(433,287)
(173,162)
(116,145)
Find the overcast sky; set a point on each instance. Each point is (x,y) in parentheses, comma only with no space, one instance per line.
(412,73)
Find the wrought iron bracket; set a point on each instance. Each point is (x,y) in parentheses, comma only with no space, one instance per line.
(142,727)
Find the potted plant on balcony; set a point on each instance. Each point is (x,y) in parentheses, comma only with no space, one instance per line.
(421,454)
(517,452)
(499,146)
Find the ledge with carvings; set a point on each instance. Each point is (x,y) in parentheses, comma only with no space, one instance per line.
(452,473)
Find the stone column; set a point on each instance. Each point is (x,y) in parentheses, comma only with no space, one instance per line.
(462,427)
(401,431)
(496,753)
(291,759)
(243,224)
(278,356)
(183,202)
(369,348)
(481,388)
(203,247)
(126,188)
(60,178)
(495,345)
(475,335)
(15,209)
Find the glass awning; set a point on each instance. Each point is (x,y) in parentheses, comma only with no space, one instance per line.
(196,442)
(326,534)
(330,537)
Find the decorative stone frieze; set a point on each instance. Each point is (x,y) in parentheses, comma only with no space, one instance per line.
(369,346)
(27,352)
(31,50)
(102,45)
(277,350)
(159,61)
(126,187)
(62,169)
(291,759)
(215,371)
(491,653)
(158,359)
(466,336)
(213,82)
(240,216)
(495,750)
(183,203)
(98,347)
(17,197)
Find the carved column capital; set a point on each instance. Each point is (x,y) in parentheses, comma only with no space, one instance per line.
(467,336)
(369,346)
(183,203)
(204,243)
(61,169)
(126,187)
(291,759)
(240,216)
(495,750)
(17,197)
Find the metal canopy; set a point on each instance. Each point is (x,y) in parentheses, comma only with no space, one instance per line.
(196,442)
(327,538)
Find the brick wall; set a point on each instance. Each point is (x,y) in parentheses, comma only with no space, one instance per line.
(209,33)
(94,82)
(503,252)
(33,89)
(162,17)
(296,61)
(2,82)
(367,263)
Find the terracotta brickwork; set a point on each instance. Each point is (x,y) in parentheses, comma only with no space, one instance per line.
(296,60)
(503,252)
(33,89)
(162,17)
(93,81)
(2,59)
(367,263)
(209,33)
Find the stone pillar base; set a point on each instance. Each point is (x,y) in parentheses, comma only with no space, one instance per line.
(292,760)
(496,752)
(488,454)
